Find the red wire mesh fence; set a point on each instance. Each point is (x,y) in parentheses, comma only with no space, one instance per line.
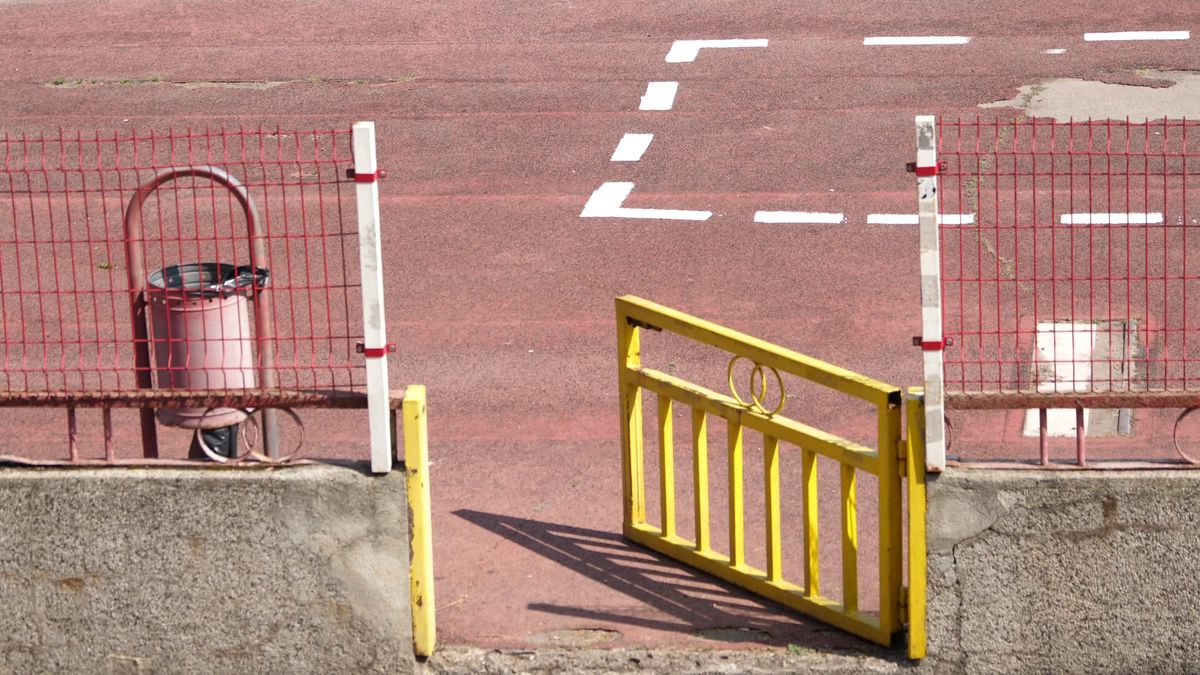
(1067,266)
(281,307)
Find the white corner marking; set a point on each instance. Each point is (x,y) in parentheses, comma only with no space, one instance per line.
(607,200)
(685,51)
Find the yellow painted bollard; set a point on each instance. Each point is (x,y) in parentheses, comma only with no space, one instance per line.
(416,467)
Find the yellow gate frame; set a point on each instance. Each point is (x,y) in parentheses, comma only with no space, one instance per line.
(888,462)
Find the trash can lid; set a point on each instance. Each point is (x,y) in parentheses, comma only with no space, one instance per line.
(208,279)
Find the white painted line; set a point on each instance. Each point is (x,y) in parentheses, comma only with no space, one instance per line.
(1055,51)
(956,218)
(910,40)
(807,217)
(659,95)
(1067,349)
(684,51)
(912,219)
(1111,218)
(631,147)
(1138,35)
(606,202)
(892,219)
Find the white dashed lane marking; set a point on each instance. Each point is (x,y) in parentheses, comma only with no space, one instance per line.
(798,217)
(632,147)
(914,40)
(685,51)
(1138,35)
(659,96)
(1111,218)
(913,219)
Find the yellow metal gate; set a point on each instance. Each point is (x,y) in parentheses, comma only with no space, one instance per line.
(893,460)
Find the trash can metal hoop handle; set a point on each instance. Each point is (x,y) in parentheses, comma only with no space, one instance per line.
(136,270)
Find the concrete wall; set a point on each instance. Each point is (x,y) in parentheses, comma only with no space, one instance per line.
(1064,571)
(301,569)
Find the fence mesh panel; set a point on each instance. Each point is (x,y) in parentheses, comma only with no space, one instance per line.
(1068,261)
(65,297)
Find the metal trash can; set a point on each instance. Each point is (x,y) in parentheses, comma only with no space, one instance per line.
(200,318)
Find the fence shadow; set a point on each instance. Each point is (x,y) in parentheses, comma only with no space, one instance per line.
(692,602)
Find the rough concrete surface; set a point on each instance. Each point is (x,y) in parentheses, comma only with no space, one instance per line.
(474,661)
(301,569)
(1138,95)
(1064,571)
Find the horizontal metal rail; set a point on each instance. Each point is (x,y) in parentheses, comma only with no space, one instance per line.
(651,315)
(782,428)
(1034,400)
(165,398)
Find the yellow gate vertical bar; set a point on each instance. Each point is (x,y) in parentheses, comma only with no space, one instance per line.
(916,523)
(812,558)
(891,561)
(771,487)
(666,462)
(700,477)
(416,469)
(849,539)
(629,355)
(737,540)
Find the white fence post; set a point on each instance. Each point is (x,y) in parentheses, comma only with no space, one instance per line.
(932,339)
(370,254)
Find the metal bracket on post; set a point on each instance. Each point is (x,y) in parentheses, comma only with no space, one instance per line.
(375,352)
(932,340)
(370,253)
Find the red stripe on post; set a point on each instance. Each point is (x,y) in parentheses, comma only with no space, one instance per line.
(379,174)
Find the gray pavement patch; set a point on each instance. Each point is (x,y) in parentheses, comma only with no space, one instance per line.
(75,82)
(473,661)
(739,634)
(1139,95)
(254,85)
(582,637)
(215,84)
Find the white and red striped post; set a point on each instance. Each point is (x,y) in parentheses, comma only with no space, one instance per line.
(370,255)
(933,341)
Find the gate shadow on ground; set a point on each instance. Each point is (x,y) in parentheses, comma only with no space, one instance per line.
(680,599)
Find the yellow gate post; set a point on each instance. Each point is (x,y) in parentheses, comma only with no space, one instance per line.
(416,467)
(915,459)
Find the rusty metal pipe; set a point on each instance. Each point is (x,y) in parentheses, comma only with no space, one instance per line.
(1043,433)
(1080,448)
(1043,441)
(110,454)
(72,435)
(264,326)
